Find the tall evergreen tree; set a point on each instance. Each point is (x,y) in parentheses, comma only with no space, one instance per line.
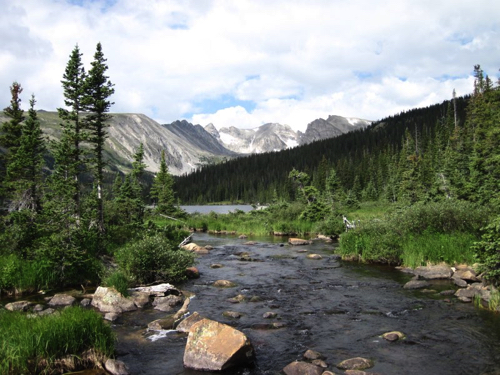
(12,130)
(162,190)
(72,135)
(24,171)
(98,89)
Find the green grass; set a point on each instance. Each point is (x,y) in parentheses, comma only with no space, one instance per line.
(416,235)
(33,344)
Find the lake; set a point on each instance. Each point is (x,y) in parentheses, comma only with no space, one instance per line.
(219,209)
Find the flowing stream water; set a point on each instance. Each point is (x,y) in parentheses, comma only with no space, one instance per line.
(337,308)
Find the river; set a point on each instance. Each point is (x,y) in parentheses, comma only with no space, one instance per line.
(218,209)
(337,308)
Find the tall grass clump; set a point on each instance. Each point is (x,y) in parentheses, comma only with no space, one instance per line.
(119,280)
(32,345)
(422,233)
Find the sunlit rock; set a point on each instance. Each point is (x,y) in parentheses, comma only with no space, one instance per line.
(110,300)
(357,363)
(213,346)
(302,368)
(439,271)
(298,241)
(62,300)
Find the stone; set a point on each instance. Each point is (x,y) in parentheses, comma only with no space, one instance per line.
(465,299)
(186,324)
(141,299)
(85,302)
(416,284)
(237,299)
(312,355)
(213,346)
(393,336)
(167,303)
(110,300)
(232,314)
(216,265)
(38,308)
(320,363)
(459,282)
(473,290)
(209,247)
(328,373)
(162,324)
(314,256)
(447,292)
(466,274)
(194,247)
(439,271)
(192,273)
(302,368)
(224,284)
(302,251)
(298,242)
(255,299)
(359,372)
(357,363)
(18,306)
(159,290)
(48,311)
(111,316)
(270,315)
(250,243)
(243,236)
(428,291)
(116,367)
(62,300)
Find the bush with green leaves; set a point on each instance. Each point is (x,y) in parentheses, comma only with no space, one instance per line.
(488,251)
(154,258)
(331,226)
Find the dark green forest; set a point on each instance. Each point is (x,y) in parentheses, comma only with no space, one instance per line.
(366,161)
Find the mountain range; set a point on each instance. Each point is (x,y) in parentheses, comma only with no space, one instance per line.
(189,146)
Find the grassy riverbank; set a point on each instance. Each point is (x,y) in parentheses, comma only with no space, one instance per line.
(32,345)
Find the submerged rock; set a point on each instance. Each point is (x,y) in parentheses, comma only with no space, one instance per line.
(314,256)
(232,314)
(216,265)
(213,346)
(302,368)
(416,284)
(192,273)
(270,315)
(459,282)
(357,363)
(393,336)
(224,284)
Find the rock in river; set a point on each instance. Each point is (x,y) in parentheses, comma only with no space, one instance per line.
(224,284)
(439,271)
(186,324)
(213,346)
(298,241)
(62,300)
(416,284)
(357,363)
(302,368)
(110,300)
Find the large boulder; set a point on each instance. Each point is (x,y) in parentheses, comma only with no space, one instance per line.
(213,346)
(439,271)
(116,367)
(167,303)
(159,290)
(302,368)
(185,325)
(110,300)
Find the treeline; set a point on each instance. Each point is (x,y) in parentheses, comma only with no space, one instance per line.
(58,219)
(366,161)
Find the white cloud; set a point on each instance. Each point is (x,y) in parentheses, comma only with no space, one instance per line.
(295,60)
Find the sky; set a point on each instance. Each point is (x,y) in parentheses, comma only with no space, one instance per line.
(245,63)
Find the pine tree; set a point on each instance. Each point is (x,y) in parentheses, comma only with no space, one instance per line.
(162,189)
(24,171)
(12,130)
(97,91)
(73,134)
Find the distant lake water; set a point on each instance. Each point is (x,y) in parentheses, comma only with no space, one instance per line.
(220,209)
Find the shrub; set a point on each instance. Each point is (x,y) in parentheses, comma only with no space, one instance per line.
(118,280)
(487,251)
(154,258)
(32,344)
(332,225)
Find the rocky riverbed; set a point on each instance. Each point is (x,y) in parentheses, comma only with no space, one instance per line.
(300,310)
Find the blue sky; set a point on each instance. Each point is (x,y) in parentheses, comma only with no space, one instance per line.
(247,62)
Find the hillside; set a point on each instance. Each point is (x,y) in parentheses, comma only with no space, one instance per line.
(360,153)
